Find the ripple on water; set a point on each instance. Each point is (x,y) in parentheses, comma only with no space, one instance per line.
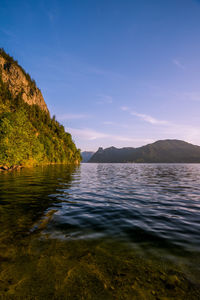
(160,201)
(152,207)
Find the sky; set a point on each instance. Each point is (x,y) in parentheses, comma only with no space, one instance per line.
(120,73)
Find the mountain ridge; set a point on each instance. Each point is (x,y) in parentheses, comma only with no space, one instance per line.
(161,151)
(86,155)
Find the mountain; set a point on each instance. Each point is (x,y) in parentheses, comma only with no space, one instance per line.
(28,134)
(86,155)
(18,82)
(112,154)
(164,151)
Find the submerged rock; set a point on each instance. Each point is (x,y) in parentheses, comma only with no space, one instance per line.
(6,168)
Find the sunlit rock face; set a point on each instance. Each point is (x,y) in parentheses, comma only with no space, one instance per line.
(19,82)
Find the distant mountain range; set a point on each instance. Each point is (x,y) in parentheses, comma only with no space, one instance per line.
(86,155)
(164,151)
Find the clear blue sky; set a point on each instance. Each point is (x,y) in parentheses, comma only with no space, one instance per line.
(114,72)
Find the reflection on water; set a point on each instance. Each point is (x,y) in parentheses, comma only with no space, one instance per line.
(139,203)
(113,231)
(26,195)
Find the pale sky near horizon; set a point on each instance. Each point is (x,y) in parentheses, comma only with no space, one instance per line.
(114,72)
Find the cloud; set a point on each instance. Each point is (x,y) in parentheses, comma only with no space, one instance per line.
(193,96)
(87,133)
(109,123)
(90,134)
(178,64)
(144,117)
(104,99)
(184,132)
(51,16)
(104,72)
(124,108)
(130,139)
(9,33)
(149,119)
(66,117)
(119,124)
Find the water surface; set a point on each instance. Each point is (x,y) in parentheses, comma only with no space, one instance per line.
(113,231)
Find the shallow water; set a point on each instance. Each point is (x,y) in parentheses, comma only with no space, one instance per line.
(116,231)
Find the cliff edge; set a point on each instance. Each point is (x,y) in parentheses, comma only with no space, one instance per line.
(19,82)
(28,134)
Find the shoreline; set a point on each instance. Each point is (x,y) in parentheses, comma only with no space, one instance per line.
(19,167)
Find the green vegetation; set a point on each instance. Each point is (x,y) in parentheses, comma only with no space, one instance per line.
(29,136)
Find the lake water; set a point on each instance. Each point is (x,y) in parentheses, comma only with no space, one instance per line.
(100,231)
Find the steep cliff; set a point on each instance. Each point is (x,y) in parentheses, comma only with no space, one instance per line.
(28,135)
(19,82)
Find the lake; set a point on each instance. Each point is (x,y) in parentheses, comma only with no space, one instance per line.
(100,231)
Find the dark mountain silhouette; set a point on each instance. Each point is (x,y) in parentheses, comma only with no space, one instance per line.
(86,155)
(164,151)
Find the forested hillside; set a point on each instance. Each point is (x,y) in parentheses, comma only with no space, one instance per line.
(28,135)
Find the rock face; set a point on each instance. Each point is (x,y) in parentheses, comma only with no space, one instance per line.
(19,82)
